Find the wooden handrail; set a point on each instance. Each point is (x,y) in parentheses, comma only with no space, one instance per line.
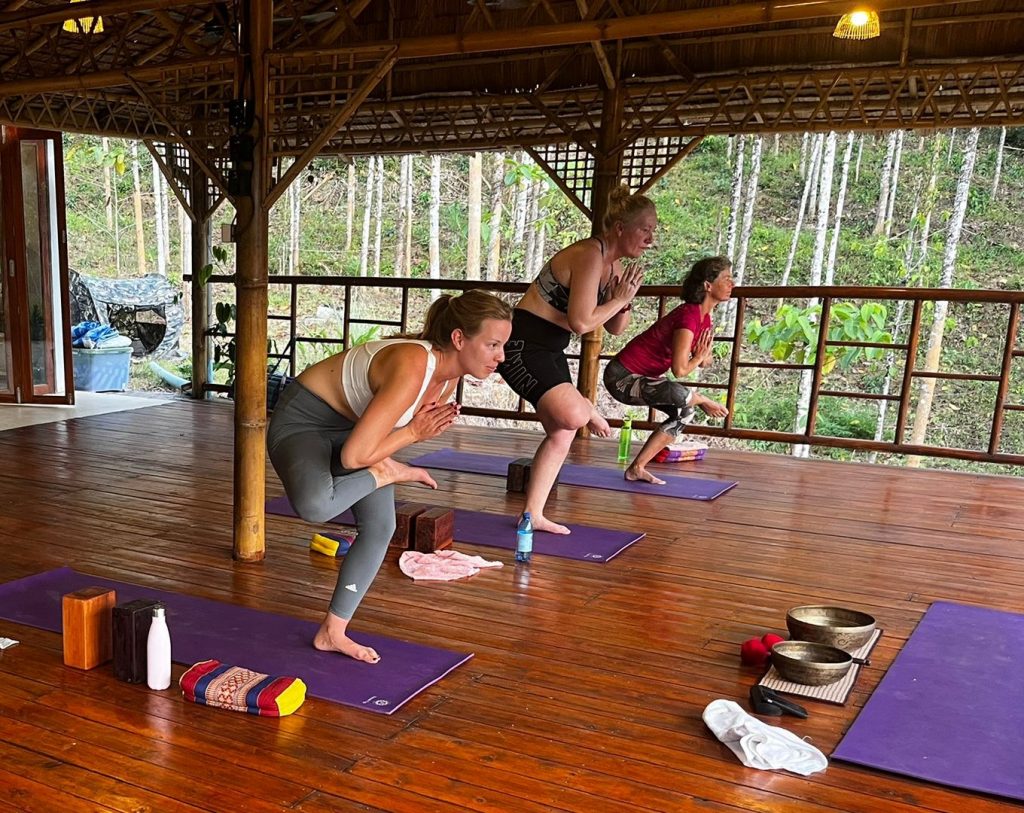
(664,296)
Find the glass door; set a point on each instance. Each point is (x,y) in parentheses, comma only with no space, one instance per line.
(36,344)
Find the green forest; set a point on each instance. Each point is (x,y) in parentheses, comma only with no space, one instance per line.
(761,200)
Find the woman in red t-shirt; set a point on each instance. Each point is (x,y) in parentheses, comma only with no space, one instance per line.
(680,341)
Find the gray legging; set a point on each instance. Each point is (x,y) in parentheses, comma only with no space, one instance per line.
(670,397)
(305,439)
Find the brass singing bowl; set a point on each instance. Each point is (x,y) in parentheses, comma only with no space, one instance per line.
(835,626)
(810,664)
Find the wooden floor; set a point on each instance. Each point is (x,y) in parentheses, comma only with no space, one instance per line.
(588,682)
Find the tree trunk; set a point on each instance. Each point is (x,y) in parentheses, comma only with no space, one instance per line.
(930,197)
(497,204)
(140,234)
(522,203)
(883,185)
(403,180)
(473,226)
(775,146)
(364,249)
(952,143)
(804,143)
(830,267)
(108,198)
(435,218)
(158,215)
(893,183)
(380,216)
(926,392)
(817,263)
(350,208)
(999,162)
(740,264)
(897,327)
(812,202)
(801,211)
(407,203)
(860,153)
(736,201)
(295,225)
(529,256)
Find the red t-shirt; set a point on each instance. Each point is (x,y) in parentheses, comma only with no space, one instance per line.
(650,353)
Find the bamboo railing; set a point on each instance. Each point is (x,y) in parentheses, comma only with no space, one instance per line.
(664,296)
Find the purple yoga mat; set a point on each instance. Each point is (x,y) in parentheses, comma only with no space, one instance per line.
(585,543)
(265,642)
(951,708)
(687,488)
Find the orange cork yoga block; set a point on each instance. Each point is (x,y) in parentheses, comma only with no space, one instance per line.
(434,530)
(405,525)
(87,627)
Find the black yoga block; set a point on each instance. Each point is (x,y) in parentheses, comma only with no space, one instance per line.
(131,629)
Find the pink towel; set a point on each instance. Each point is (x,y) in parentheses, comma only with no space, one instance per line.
(444,565)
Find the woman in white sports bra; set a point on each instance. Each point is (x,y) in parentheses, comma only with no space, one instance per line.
(336,426)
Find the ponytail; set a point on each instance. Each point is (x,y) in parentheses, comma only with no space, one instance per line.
(466,312)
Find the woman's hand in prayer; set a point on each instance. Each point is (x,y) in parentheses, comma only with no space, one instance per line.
(432,419)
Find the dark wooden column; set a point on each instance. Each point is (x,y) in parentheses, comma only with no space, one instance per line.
(607,173)
(200,250)
(251,296)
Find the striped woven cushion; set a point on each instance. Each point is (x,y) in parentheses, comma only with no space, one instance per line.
(211,683)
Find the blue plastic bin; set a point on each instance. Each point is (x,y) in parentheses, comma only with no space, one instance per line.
(103,369)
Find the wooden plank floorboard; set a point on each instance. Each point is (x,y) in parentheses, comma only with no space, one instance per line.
(588,681)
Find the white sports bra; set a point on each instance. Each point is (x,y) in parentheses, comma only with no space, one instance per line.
(355,375)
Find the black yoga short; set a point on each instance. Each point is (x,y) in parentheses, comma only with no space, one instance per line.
(535,359)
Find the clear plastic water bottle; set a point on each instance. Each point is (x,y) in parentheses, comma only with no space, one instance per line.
(524,538)
(625,438)
(158,651)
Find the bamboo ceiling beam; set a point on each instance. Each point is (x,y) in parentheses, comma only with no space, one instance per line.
(641,26)
(107,79)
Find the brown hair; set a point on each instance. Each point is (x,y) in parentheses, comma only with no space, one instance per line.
(465,312)
(704,270)
(624,206)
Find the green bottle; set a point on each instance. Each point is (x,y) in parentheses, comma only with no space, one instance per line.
(625,438)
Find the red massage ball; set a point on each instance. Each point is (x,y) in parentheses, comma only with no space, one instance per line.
(754,652)
(770,639)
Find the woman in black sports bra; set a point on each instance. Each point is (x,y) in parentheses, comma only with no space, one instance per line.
(582,287)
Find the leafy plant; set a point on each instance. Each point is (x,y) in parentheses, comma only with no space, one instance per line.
(793,336)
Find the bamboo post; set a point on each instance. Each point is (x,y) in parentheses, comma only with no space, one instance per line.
(200,249)
(251,302)
(607,172)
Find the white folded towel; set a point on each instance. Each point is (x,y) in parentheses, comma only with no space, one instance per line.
(759,745)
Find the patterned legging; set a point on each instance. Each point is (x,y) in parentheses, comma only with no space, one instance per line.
(670,397)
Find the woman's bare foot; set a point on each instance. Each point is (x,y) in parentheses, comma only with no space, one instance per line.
(331,637)
(540,523)
(389,471)
(599,426)
(635,473)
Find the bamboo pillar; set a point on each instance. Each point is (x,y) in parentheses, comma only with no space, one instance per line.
(607,173)
(251,302)
(200,249)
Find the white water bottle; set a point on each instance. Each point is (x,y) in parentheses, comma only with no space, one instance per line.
(158,651)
